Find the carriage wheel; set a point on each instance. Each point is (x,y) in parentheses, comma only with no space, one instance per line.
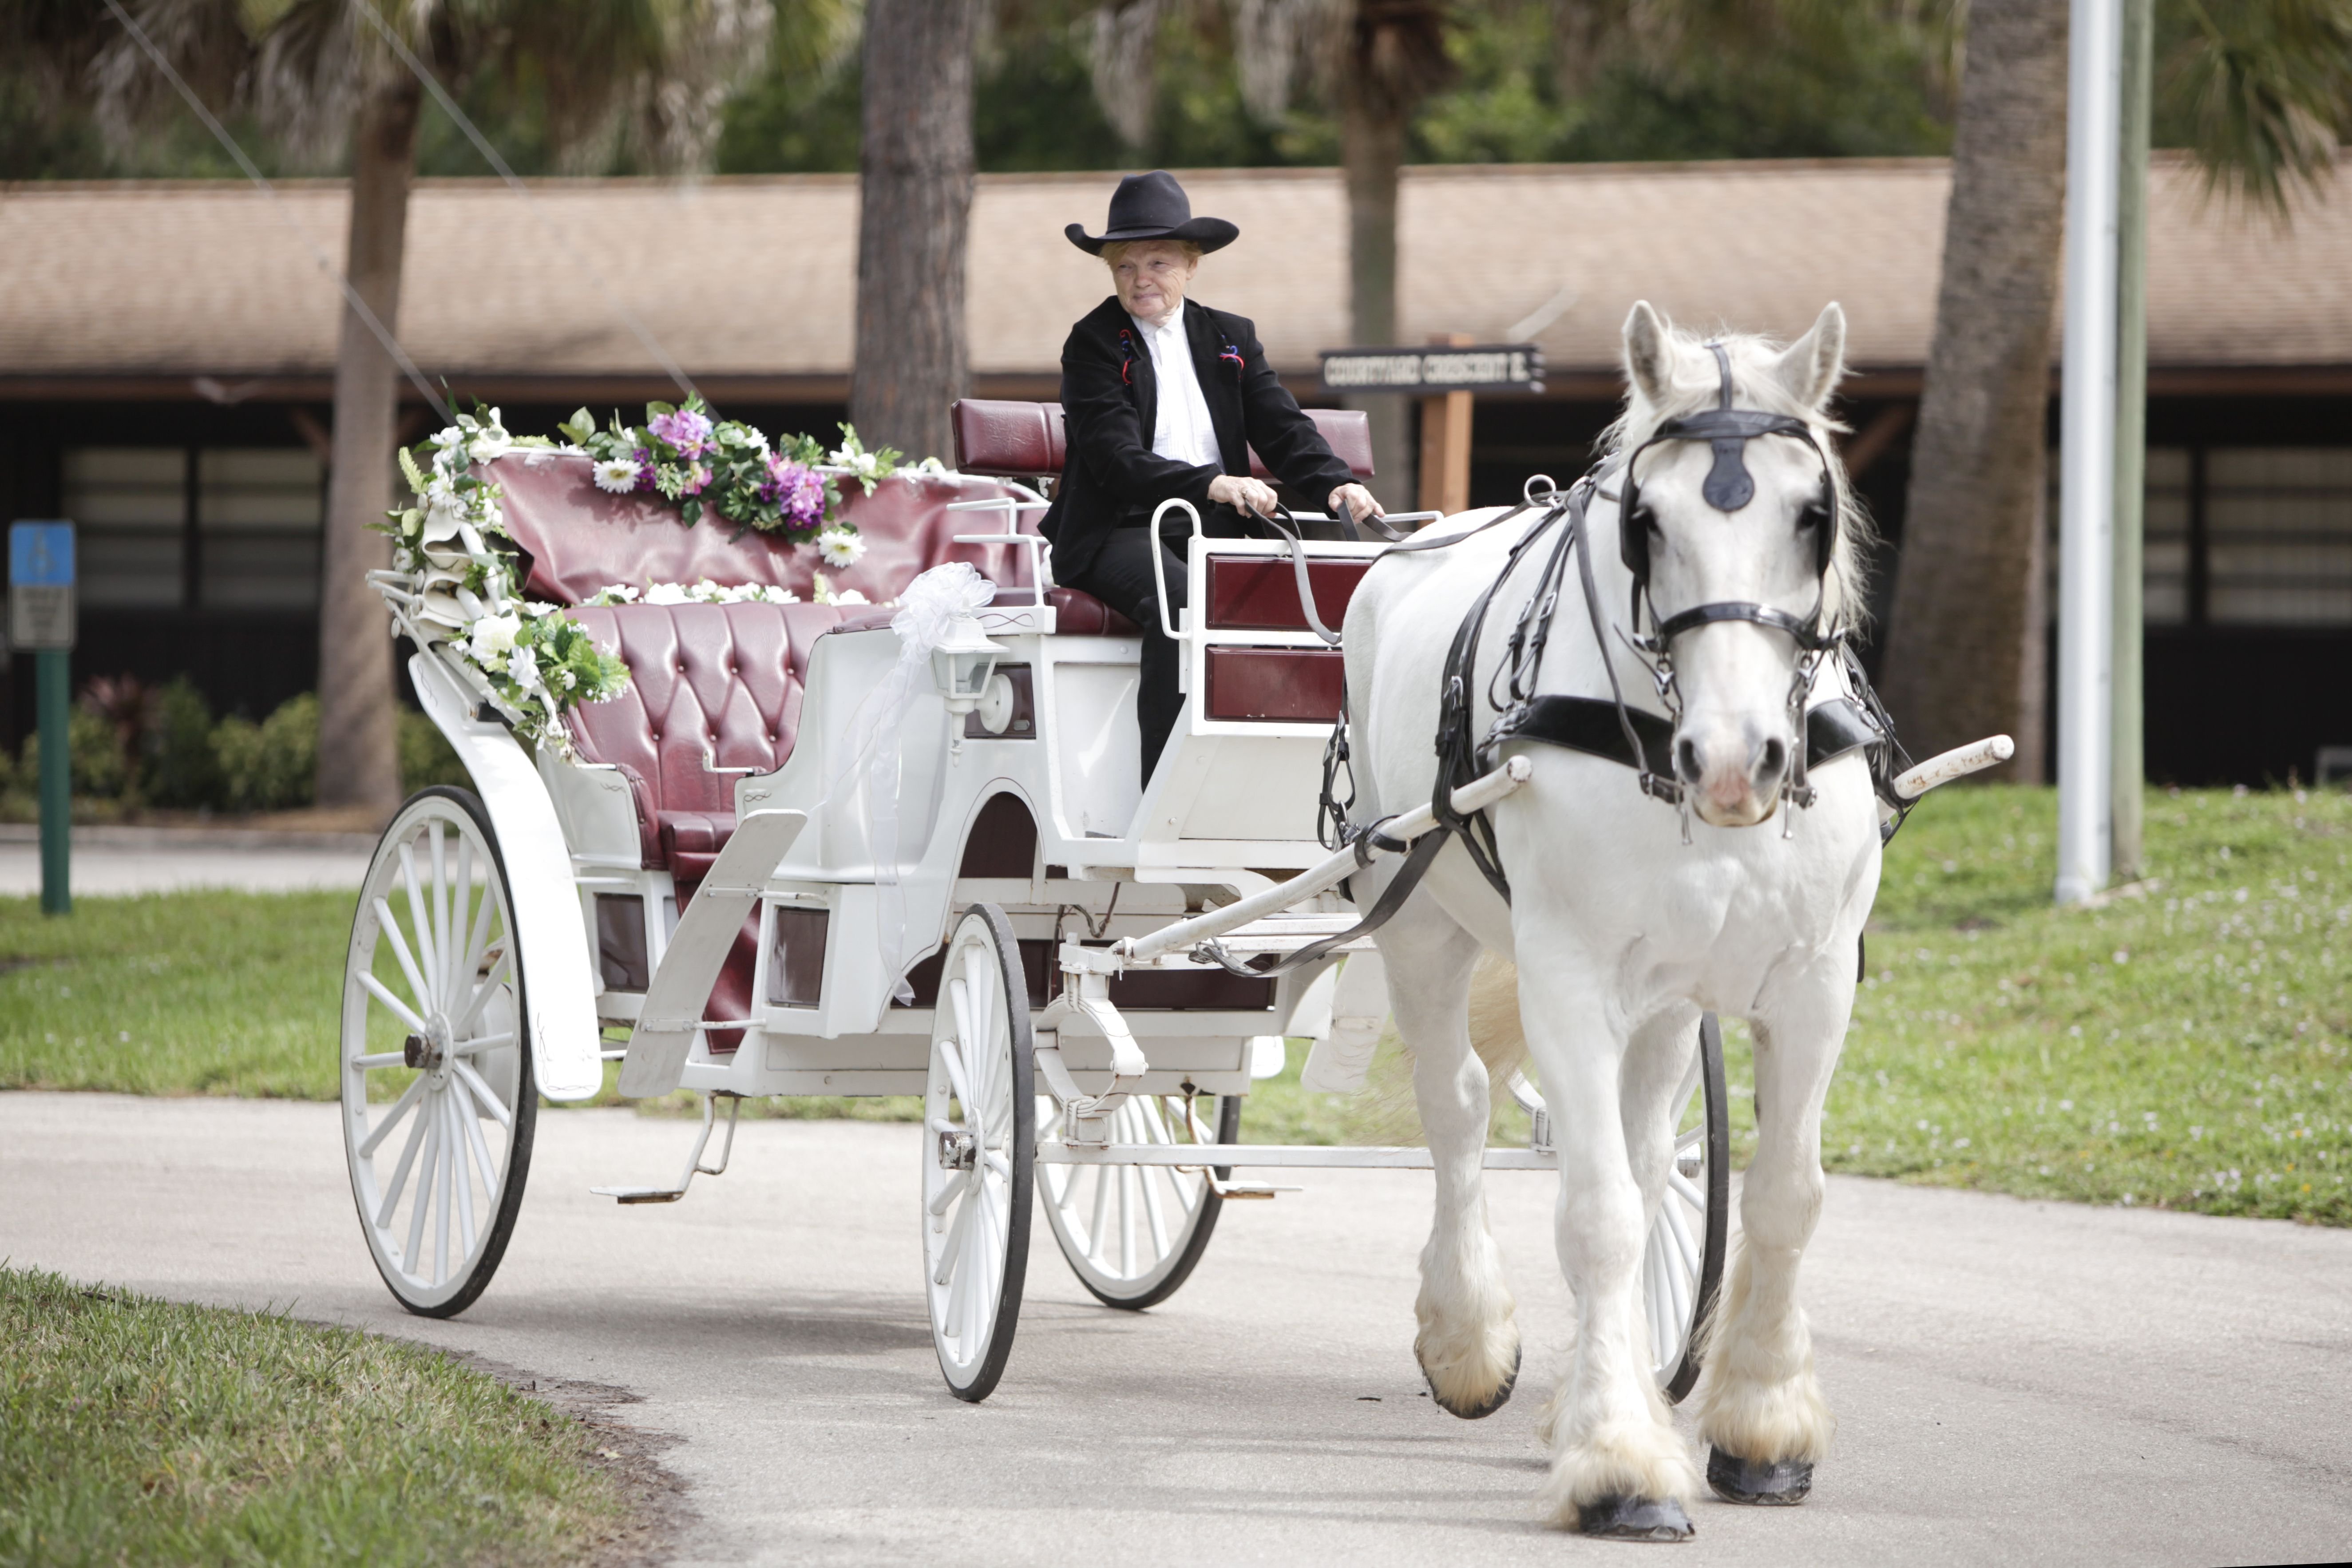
(1682,1268)
(980,1146)
(1133,1233)
(439,1103)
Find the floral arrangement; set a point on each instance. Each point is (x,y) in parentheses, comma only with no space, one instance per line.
(727,468)
(452,546)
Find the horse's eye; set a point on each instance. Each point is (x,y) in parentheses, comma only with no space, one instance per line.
(1814,514)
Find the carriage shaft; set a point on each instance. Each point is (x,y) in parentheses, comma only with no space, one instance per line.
(1293,1157)
(1336,868)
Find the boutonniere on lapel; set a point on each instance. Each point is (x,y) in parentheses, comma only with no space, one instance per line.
(1125,357)
(1230,358)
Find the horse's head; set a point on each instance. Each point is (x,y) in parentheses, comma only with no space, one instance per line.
(1740,533)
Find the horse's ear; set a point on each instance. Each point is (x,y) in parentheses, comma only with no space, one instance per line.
(1811,367)
(1649,354)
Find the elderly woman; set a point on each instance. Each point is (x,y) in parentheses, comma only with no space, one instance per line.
(1164,397)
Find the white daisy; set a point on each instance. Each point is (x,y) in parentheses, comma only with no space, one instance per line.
(850,596)
(523,665)
(666,594)
(617,476)
(449,435)
(840,547)
(617,594)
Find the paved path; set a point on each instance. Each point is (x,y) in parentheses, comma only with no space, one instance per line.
(2015,1382)
(113,861)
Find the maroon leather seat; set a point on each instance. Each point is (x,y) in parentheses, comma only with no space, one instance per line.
(711,686)
(1025,440)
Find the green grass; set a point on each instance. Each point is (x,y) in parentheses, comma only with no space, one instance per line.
(205,993)
(1997,1042)
(2190,1047)
(139,1431)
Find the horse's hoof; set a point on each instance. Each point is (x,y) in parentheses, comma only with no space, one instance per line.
(1635,1519)
(1780,1484)
(1494,1401)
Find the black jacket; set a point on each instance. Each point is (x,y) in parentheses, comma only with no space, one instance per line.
(1110,400)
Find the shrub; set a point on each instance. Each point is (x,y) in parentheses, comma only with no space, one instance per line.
(425,755)
(182,770)
(99,766)
(272,766)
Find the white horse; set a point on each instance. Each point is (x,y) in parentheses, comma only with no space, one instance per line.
(1627,919)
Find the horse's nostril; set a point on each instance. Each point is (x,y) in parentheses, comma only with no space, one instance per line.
(1686,759)
(1770,758)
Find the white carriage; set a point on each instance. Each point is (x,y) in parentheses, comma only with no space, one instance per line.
(806,856)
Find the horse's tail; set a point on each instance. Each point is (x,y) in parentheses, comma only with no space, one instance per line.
(1494,1031)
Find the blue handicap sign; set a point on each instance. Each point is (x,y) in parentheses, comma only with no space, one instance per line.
(41,555)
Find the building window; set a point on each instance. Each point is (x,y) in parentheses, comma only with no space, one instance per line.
(2164,539)
(2278,535)
(130,504)
(258,517)
(229,528)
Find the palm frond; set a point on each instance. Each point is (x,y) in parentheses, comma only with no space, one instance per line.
(206,42)
(2267,85)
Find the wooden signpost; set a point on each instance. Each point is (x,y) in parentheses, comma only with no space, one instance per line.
(1448,376)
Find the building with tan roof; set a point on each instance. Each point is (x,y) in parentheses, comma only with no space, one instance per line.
(166,353)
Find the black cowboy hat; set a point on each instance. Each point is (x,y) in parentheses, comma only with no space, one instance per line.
(1153,206)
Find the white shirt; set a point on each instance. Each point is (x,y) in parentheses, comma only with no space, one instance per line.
(1181,430)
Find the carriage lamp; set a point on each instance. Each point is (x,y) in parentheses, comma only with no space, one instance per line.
(962,662)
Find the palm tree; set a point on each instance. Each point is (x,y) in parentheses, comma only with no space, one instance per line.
(915,182)
(329,76)
(2263,89)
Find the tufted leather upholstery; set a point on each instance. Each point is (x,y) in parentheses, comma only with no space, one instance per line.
(720,681)
(1025,440)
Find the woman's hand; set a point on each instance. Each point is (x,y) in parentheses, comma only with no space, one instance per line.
(1245,494)
(1357,501)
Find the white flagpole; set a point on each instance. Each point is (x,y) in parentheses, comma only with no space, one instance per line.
(2086,451)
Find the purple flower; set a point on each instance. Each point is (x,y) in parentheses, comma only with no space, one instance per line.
(646,479)
(697,475)
(796,490)
(687,432)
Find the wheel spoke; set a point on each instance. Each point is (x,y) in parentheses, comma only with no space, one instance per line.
(945,1273)
(953,1060)
(1683,1242)
(1684,1188)
(441,1197)
(424,1199)
(1153,1212)
(962,1004)
(390,927)
(471,1121)
(409,1097)
(1098,1241)
(437,892)
(420,917)
(400,1171)
(483,1043)
(380,1059)
(461,1171)
(465,1075)
(400,1009)
(982,993)
(482,993)
(1126,1221)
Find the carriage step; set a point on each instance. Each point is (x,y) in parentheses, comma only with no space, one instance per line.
(1248,1189)
(640,1194)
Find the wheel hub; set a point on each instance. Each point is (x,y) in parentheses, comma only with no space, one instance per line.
(424,1051)
(958,1150)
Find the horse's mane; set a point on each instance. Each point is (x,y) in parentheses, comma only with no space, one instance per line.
(1845,595)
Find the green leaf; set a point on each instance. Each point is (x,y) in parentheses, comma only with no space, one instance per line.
(579,427)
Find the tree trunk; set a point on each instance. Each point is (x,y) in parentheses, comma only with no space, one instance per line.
(359,749)
(1372,152)
(914,178)
(1964,655)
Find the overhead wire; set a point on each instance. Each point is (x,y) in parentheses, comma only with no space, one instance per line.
(360,307)
(482,144)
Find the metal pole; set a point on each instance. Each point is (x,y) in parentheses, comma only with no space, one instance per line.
(2129,777)
(2087,452)
(53,686)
